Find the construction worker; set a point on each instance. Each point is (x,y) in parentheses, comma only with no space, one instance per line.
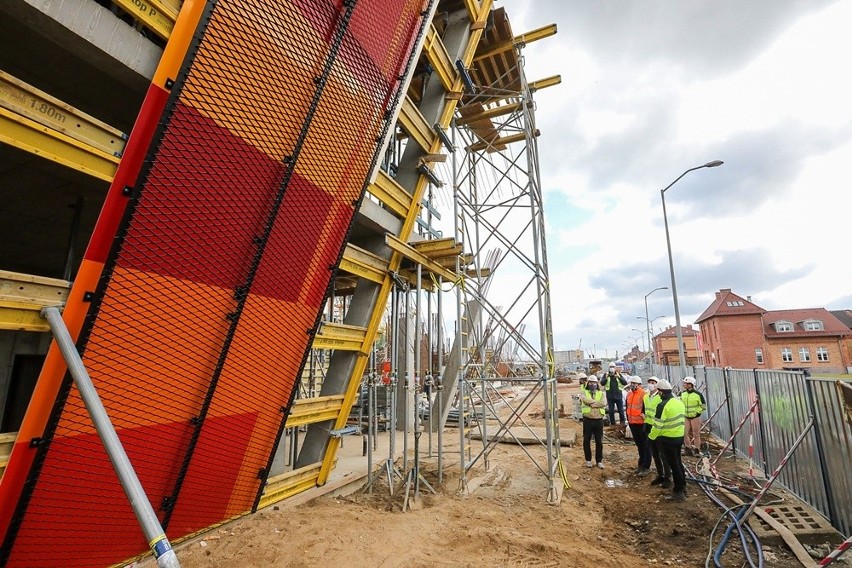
(593,409)
(613,383)
(636,421)
(667,431)
(693,402)
(652,399)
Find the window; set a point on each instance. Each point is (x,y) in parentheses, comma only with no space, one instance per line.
(787,355)
(804,355)
(783,326)
(758,354)
(812,325)
(822,354)
(735,303)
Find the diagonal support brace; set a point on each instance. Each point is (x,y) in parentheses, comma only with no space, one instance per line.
(145,514)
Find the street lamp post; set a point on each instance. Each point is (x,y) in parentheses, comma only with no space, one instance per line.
(641,337)
(648,321)
(680,350)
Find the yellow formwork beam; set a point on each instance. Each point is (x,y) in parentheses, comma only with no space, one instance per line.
(477,28)
(523,39)
(339,336)
(473,9)
(489,114)
(22,296)
(15,316)
(391,194)
(288,484)
(40,140)
(363,264)
(414,255)
(499,142)
(436,54)
(544,83)
(439,247)
(313,410)
(159,16)
(27,101)
(415,125)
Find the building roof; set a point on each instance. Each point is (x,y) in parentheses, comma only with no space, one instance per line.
(831,324)
(845,317)
(671,331)
(729,304)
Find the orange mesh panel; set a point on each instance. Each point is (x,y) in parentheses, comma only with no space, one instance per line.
(203,318)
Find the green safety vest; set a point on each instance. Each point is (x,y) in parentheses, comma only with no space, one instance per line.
(598,396)
(651,402)
(615,378)
(694,403)
(670,424)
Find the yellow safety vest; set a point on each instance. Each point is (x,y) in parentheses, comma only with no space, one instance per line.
(597,396)
(651,402)
(694,404)
(670,424)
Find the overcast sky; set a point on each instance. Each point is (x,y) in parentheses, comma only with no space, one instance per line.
(653,88)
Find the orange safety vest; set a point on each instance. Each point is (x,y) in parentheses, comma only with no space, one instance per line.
(635,402)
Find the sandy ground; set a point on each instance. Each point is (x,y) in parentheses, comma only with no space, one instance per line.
(605,518)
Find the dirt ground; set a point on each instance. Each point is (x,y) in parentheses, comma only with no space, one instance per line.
(606,518)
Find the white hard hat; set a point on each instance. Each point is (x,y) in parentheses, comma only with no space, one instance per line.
(581,376)
(593,379)
(612,365)
(653,379)
(635,379)
(664,385)
(689,381)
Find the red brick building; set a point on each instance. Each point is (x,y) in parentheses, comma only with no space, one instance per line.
(738,333)
(665,346)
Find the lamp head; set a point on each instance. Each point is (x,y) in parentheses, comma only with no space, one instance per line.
(713,164)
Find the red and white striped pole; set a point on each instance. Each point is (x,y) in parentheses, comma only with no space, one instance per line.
(736,431)
(836,553)
(777,471)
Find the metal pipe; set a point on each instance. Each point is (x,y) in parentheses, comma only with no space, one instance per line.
(417,374)
(438,381)
(142,508)
(680,350)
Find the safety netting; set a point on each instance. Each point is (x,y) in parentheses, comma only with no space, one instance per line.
(216,279)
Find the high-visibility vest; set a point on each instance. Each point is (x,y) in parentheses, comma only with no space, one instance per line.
(613,377)
(635,401)
(651,402)
(670,422)
(596,396)
(693,402)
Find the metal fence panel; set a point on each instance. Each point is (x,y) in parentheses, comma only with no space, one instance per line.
(836,444)
(716,394)
(785,413)
(820,470)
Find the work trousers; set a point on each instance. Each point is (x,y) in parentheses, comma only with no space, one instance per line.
(692,433)
(640,438)
(612,404)
(670,452)
(663,471)
(593,428)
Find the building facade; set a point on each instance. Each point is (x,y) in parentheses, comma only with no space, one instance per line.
(737,333)
(666,348)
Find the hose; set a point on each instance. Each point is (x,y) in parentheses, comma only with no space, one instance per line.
(745,531)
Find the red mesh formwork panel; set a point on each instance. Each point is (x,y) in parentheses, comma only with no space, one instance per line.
(203,318)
